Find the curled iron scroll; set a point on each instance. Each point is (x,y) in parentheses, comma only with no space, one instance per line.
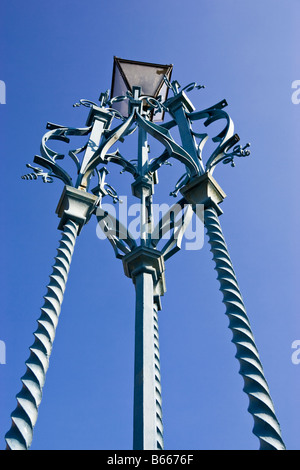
(48,158)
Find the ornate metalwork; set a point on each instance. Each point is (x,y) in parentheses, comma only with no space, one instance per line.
(103,188)
(48,158)
(237,151)
(117,234)
(98,154)
(24,417)
(175,221)
(266,426)
(46,176)
(106,126)
(175,86)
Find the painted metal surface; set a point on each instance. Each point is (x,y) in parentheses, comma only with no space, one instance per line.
(143,262)
(157,382)
(266,426)
(74,209)
(145,266)
(24,417)
(144,422)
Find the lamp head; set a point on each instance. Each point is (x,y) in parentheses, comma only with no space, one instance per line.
(149,77)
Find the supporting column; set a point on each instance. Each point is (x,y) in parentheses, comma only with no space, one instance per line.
(205,190)
(146,266)
(157,381)
(75,208)
(266,426)
(144,431)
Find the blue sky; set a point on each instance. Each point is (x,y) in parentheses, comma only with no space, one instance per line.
(52,55)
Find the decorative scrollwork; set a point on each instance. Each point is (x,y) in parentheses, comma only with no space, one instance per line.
(48,158)
(173,149)
(83,102)
(226,138)
(237,151)
(103,188)
(101,153)
(175,86)
(226,149)
(36,173)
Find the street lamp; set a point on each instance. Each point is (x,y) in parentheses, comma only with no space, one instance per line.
(138,98)
(129,74)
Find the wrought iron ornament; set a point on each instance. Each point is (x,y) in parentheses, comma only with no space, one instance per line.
(143,262)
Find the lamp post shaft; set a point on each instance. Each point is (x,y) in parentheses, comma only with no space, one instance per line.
(144,431)
(205,190)
(266,426)
(24,417)
(145,267)
(74,209)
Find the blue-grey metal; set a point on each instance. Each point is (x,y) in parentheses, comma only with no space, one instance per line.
(75,209)
(144,262)
(157,381)
(144,422)
(266,426)
(24,417)
(145,266)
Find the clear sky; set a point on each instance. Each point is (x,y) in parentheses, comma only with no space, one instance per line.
(55,53)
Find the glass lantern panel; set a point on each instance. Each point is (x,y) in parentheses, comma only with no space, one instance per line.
(119,89)
(148,77)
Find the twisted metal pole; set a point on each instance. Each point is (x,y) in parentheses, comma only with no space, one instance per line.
(266,426)
(24,417)
(158,398)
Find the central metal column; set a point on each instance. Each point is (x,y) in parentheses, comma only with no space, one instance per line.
(145,266)
(144,431)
